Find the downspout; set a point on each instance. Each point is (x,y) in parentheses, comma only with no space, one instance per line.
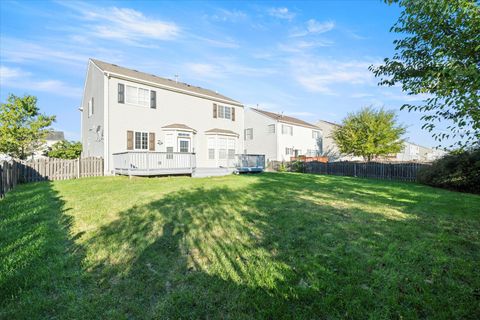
(106,121)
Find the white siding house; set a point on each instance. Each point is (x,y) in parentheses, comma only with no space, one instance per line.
(279,137)
(155,125)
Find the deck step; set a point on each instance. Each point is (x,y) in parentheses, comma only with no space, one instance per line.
(211,172)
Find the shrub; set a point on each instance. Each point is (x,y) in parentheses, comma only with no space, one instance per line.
(297,166)
(458,171)
(282,168)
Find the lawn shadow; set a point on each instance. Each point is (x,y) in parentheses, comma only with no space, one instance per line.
(264,252)
(41,273)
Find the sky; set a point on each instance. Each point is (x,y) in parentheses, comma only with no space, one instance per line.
(306,59)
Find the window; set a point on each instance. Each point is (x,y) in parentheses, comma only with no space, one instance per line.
(184,145)
(211,148)
(90,107)
(249,134)
(271,128)
(224,112)
(315,134)
(139,96)
(288,151)
(153,99)
(141,140)
(222,148)
(287,129)
(231,149)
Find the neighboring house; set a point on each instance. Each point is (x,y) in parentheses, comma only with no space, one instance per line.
(143,124)
(279,137)
(415,152)
(52,138)
(410,152)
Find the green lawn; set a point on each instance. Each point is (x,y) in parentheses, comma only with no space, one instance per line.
(259,246)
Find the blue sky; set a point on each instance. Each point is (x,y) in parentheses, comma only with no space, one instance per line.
(306,59)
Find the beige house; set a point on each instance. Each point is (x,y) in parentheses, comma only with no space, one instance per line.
(279,137)
(147,125)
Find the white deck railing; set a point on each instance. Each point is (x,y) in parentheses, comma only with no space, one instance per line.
(153,162)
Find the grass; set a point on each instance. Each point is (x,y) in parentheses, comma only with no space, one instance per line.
(263,246)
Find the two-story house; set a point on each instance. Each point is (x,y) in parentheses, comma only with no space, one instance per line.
(279,137)
(147,125)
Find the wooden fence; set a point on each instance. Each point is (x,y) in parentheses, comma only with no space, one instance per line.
(376,170)
(14,172)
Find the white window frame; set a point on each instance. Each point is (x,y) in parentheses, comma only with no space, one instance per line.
(315,134)
(222,112)
(137,103)
(249,134)
(286,129)
(180,140)
(90,109)
(271,128)
(142,136)
(211,148)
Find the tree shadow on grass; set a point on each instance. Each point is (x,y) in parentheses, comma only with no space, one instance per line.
(271,251)
(40,269)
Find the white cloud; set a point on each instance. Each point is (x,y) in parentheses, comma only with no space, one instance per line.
(312,26)
(302,45)
(281,13)
(225,68)
(320,75)
(229,15)
(18,79)
(122,24)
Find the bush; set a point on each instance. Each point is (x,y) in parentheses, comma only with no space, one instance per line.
(297,166)
(458,171)
(282,168)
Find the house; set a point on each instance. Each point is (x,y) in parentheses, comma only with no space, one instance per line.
(147,125)
(279,137)
(51,138)
(410,151)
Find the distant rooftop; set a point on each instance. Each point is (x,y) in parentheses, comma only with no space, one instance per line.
(286,119)
(55,135)
(109,67)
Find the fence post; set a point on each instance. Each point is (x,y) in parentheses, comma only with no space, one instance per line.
(78,168)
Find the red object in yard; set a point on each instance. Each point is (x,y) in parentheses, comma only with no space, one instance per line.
(309,159)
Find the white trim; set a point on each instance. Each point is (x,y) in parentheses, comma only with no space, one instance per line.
(141,139)
(162,86)
(106,121)
(236,135)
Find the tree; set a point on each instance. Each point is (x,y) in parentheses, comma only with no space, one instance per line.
(22,127)
(439,55)
(369,133)
(65,150)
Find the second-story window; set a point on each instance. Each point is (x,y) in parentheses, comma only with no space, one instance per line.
(140,96)
(271,128)
(249,134)
(287,129)
(224,112)
(90,107)
(315,134)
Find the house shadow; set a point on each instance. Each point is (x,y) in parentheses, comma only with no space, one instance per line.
(263,252)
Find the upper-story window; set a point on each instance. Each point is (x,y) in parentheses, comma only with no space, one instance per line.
(287,129)
(224,112)
(137,96)
(249,134)
(271,128)
(315,134)
(90,107)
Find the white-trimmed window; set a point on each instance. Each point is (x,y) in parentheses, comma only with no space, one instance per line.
(137,96)
(231,149)
(141,140)
(90,107)
(271,128)
(315,134)
(287,129)
(249,134)
(222,148)
(211,148)
(289,151)
(224,112)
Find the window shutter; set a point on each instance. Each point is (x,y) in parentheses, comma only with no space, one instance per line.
(129,140)
(93,108)
(151,141)
(121,93)
(153,99)
(233,114)
(214,110)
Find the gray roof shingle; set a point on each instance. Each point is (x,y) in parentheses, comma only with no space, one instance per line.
(286,119)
